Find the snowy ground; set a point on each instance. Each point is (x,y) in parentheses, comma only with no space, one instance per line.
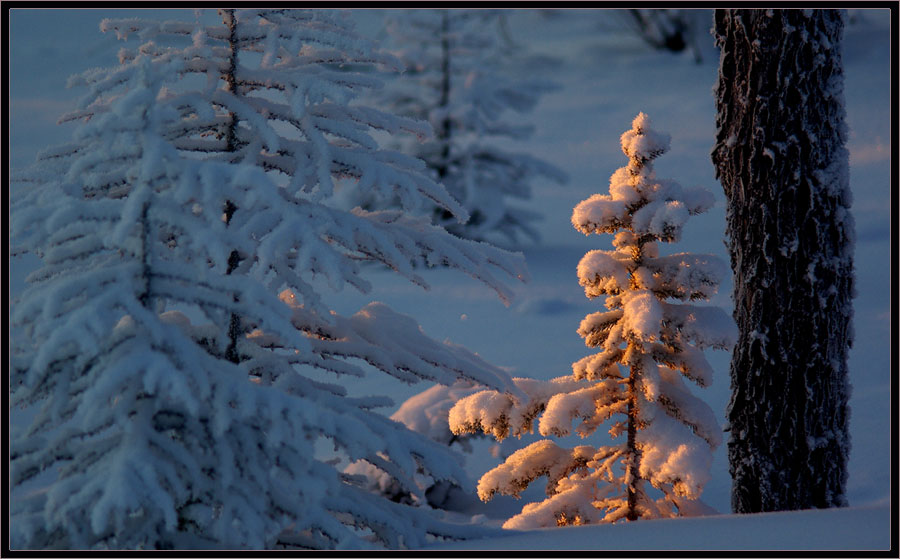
(854,529)
(607,77)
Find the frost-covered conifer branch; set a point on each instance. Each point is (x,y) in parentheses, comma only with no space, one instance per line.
(505,414)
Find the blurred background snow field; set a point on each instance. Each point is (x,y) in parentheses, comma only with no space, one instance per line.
(608,74)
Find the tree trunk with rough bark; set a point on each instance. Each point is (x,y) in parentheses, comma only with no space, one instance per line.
(781,159)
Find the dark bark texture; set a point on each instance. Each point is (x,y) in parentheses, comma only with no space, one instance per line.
(781,159)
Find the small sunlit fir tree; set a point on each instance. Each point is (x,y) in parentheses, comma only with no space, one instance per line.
(174,340)
(648,347)
(454,78)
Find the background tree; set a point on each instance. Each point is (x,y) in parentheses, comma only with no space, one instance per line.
(781,159)
(455,79)
(669,29)
(175,337)
(669,432)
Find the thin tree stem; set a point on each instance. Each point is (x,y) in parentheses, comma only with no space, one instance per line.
(443,132)
(234,321)
(144,297)
(229,77)
(634,462)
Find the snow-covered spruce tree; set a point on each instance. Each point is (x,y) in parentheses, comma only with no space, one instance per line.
(647,346)
(171,333)
(158,441)
(781,159)
(454,78)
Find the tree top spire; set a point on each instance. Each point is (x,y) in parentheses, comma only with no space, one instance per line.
(642,144)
